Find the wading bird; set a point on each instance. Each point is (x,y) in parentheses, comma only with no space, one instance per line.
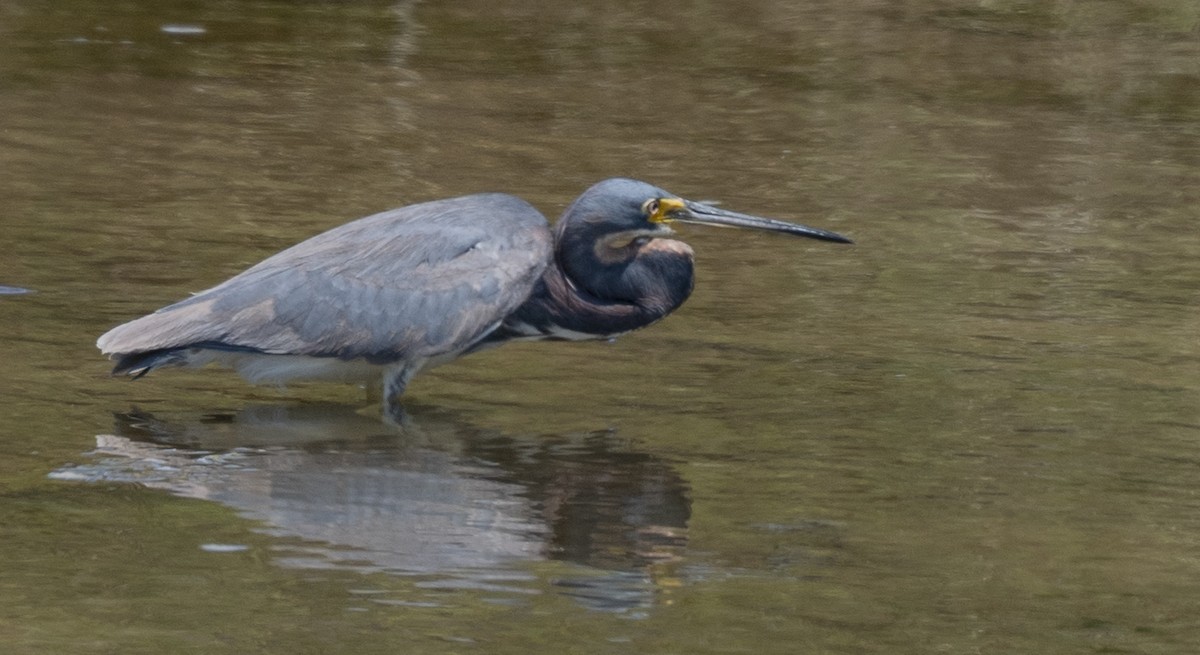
(392,294)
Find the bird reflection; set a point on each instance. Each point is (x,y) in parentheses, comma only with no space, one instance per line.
(457,505)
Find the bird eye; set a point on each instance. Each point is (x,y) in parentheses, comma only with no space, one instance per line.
(651,207)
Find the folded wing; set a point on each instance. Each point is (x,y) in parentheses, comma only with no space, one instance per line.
(405,285)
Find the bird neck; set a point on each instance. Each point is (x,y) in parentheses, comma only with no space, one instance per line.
(581,297)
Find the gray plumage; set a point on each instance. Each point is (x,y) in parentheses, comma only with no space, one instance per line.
(421,285)
(408,285)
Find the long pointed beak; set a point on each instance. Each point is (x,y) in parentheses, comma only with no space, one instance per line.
(695,212)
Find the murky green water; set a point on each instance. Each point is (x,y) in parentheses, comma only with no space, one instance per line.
(976,431)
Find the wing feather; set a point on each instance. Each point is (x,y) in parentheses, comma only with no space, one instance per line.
(415,282)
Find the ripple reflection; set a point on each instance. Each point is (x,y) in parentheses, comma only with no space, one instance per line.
(460,507)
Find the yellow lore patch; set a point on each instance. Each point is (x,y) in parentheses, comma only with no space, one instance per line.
(660,209)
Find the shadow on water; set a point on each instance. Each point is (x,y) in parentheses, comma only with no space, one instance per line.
(456,506)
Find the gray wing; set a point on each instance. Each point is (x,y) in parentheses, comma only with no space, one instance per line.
(414,282)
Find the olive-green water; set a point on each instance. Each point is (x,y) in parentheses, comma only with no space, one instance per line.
(975,431)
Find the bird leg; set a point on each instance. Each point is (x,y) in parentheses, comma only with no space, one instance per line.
(395,381)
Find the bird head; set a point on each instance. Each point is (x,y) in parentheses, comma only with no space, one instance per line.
(618,212)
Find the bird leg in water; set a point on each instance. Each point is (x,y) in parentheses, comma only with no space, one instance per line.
(395,380)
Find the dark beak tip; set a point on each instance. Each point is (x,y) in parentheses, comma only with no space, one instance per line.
(827,236)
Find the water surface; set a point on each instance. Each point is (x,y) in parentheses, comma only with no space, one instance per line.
(974,431)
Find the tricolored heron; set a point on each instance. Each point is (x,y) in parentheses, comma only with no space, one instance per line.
(408,289)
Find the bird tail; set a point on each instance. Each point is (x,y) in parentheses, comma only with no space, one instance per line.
(136,365)
(164,338)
